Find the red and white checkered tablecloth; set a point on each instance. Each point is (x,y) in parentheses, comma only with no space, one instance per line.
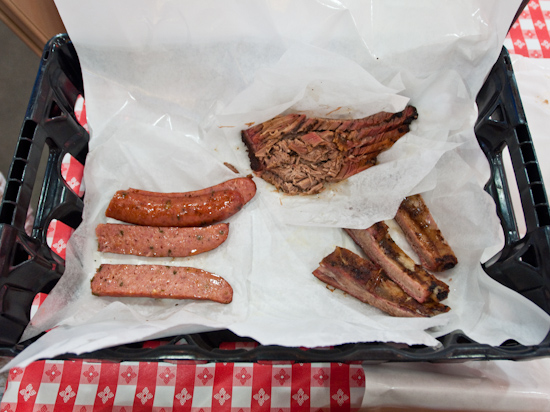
(159,386)
(529,36)
(188,386)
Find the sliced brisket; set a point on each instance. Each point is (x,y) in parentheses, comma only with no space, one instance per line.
(320,150)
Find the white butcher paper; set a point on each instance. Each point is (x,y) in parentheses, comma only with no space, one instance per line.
(169,86)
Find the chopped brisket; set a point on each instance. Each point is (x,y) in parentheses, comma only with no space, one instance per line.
(378,245)
(320,150)
(369,283)
(423,235)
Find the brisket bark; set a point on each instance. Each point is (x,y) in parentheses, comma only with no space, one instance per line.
(424,236)
(369,283)
(300,155)
(378,245)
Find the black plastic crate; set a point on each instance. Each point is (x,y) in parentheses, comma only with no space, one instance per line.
(28,266)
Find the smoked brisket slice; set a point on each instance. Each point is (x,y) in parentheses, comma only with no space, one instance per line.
(369,283)
(300,155)
(378,245)
(423,235)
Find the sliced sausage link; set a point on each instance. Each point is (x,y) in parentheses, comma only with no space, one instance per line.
(159,241)
(155,281)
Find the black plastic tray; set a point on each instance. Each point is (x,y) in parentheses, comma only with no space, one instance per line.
(28,266)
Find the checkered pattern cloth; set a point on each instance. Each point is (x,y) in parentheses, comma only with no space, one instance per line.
(160,386)
(529,36)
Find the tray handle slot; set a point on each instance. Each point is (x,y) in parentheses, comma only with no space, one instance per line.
(522,263)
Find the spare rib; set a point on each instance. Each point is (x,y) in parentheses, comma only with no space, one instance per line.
(368,282)
(379,246)
(424,236)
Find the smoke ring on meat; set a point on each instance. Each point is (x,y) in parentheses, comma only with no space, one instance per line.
(301,155)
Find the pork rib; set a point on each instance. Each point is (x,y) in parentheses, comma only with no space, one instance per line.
(424,236)
(379,246)
(300,155)
(368,282)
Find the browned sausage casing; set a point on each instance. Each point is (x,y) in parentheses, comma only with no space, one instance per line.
(155,281)
(179,211)
(244,185)
(159,241)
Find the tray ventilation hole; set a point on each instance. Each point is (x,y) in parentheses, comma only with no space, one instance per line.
(18,167)
(523,134)
(538,193)
(543,215)
(55,110)
(20,255)
(12,191)
(527,153)
(497,115)
(530,257)
(72,172)
(23,148)
(510,343)
(28,129)
(7,211)
(533,173)
(463,340)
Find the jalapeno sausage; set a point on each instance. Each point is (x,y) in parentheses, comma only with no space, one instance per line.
(160,241)
(155,281)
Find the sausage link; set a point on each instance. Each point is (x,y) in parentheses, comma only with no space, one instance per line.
(155,281)
(159,241)
(166,210)
(244,185)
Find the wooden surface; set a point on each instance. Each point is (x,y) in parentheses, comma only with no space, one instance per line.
(34,21)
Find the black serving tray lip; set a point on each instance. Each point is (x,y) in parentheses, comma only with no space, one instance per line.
(520,265)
